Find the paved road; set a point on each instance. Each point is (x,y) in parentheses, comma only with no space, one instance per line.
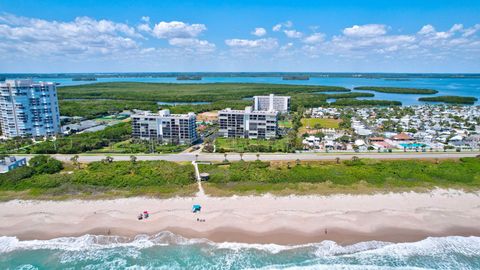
(271,157)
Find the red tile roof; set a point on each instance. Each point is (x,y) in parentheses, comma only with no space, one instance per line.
(402,137)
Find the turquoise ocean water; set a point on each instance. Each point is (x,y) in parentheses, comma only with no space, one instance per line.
(169,251)
(445,86)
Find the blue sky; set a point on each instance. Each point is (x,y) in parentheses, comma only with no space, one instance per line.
(336,36)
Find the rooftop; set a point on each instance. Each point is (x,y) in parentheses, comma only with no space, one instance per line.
(248,109)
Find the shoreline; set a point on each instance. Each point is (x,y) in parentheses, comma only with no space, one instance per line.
(290,220)
(287,237)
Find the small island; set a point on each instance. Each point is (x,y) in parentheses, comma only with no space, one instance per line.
(398,90)
(350,95)
(89,79)
(450,99)
(188,78)
(397,80)
(296,78)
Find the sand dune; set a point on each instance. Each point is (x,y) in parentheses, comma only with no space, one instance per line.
(395,217)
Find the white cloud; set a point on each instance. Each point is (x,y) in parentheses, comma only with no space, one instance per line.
(314,38)
(293,33)
(193,44)
(279,26)
(471,31)
(85,38)
(372,43)
(176,29)
(144,27)
(456,27)
(261,44)
(259,32)
(367,30)
(427,29)
(84,35)
(287,50)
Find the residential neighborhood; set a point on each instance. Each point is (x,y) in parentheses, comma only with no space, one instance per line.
(409,128)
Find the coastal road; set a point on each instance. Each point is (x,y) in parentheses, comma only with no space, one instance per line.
(267,156)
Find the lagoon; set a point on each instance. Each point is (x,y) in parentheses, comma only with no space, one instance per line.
(445,86)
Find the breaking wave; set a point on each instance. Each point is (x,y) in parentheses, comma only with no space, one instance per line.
(169,251)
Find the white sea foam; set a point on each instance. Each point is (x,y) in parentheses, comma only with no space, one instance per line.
(86,242)
(339,267)
(469,246)
(330,248)
(270,248)
(113,252)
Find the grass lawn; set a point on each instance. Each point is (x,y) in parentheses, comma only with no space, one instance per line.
(129,147)
(309,124)
(250,145)
(323,122)
(285,124)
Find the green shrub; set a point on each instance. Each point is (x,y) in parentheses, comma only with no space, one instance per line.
(45,164)
(13,177)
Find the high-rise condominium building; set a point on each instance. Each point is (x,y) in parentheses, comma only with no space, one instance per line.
(271,103)
(248,123)
(29,109)
(165,127)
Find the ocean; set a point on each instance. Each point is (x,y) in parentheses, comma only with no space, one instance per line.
(169,251)
(445,86)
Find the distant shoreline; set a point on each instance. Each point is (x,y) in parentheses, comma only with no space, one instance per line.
(368,75)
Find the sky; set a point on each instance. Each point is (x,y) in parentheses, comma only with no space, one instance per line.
(52,36)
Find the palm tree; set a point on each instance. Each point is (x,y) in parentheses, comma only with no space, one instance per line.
(337,160)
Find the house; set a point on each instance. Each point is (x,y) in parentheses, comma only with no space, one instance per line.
(456,140)
(10,163)
(376,139)
(402,137)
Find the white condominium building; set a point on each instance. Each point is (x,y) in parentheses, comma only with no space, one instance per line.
(29,109)
(271,103)
(248,123)
(165,127)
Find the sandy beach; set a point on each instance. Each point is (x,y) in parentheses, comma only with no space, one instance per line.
(346,219)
